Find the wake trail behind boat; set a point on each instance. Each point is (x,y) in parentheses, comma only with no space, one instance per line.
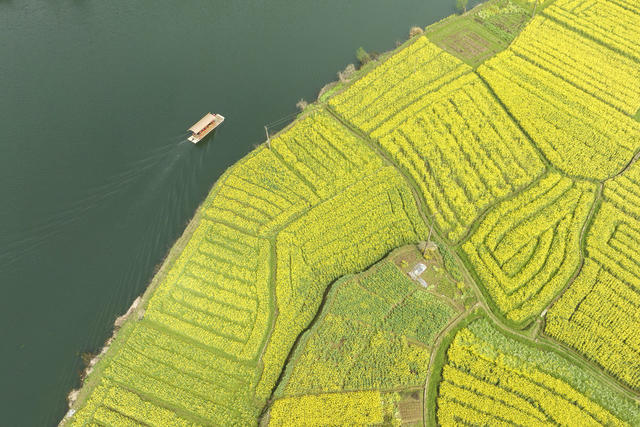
(17,246)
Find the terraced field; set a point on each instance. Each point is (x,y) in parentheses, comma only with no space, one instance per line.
(527,248)
(287,301)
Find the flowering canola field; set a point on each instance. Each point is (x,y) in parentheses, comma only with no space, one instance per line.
(524,168)
(271,236)
(491,378)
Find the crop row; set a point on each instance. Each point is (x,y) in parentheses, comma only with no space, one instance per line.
(372,334)
(579,134)
(624,191)
(161,379)
(599,314)
(342,235)
(608,75)
(464,152)
(259,193)
(615,23)
(119,407)
(195,351)
(394,86)
(614,241)
(395,69)
(490,378)
(355,408)
(325,153)
(221,298)
(526,248)
(307,163)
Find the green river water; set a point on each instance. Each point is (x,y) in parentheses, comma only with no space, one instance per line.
(96,177)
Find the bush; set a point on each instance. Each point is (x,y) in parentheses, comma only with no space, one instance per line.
(415,31)
(302,104)
(345,75)
(363,56)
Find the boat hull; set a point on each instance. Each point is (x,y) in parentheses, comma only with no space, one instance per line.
(197,137)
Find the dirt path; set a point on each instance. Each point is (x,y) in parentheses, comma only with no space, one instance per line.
(434,351)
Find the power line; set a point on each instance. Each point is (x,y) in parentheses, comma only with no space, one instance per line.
(282,119)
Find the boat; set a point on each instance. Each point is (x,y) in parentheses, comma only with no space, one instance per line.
(203,126)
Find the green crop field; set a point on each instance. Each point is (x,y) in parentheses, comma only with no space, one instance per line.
(379,315)
(451,237)
(495,378)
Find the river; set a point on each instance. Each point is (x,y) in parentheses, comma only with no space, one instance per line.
(96,177)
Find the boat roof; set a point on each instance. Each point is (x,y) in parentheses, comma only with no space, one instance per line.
(202,123)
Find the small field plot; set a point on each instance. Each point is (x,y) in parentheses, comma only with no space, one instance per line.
(411,408)
(195,352)
(577,132)
(606,74)
(441,124)
(325,154)
(259,194)
(598,314)
(614,23)
(375,332)
(482,32)
(436,271)
(351,408)
(491,378)
(404,80)
(527,248)
(312,160)
(462,150)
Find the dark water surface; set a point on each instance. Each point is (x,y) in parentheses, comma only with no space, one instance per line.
(96,177)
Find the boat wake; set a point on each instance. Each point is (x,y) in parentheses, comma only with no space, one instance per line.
(20,244)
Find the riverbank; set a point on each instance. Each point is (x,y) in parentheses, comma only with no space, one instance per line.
(123,324)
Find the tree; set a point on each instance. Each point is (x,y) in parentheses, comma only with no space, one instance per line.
(461,5)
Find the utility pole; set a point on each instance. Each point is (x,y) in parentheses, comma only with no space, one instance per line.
(266,130)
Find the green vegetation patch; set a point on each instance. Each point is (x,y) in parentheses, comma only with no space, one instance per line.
(482,32)
(374,332)
(495,378)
